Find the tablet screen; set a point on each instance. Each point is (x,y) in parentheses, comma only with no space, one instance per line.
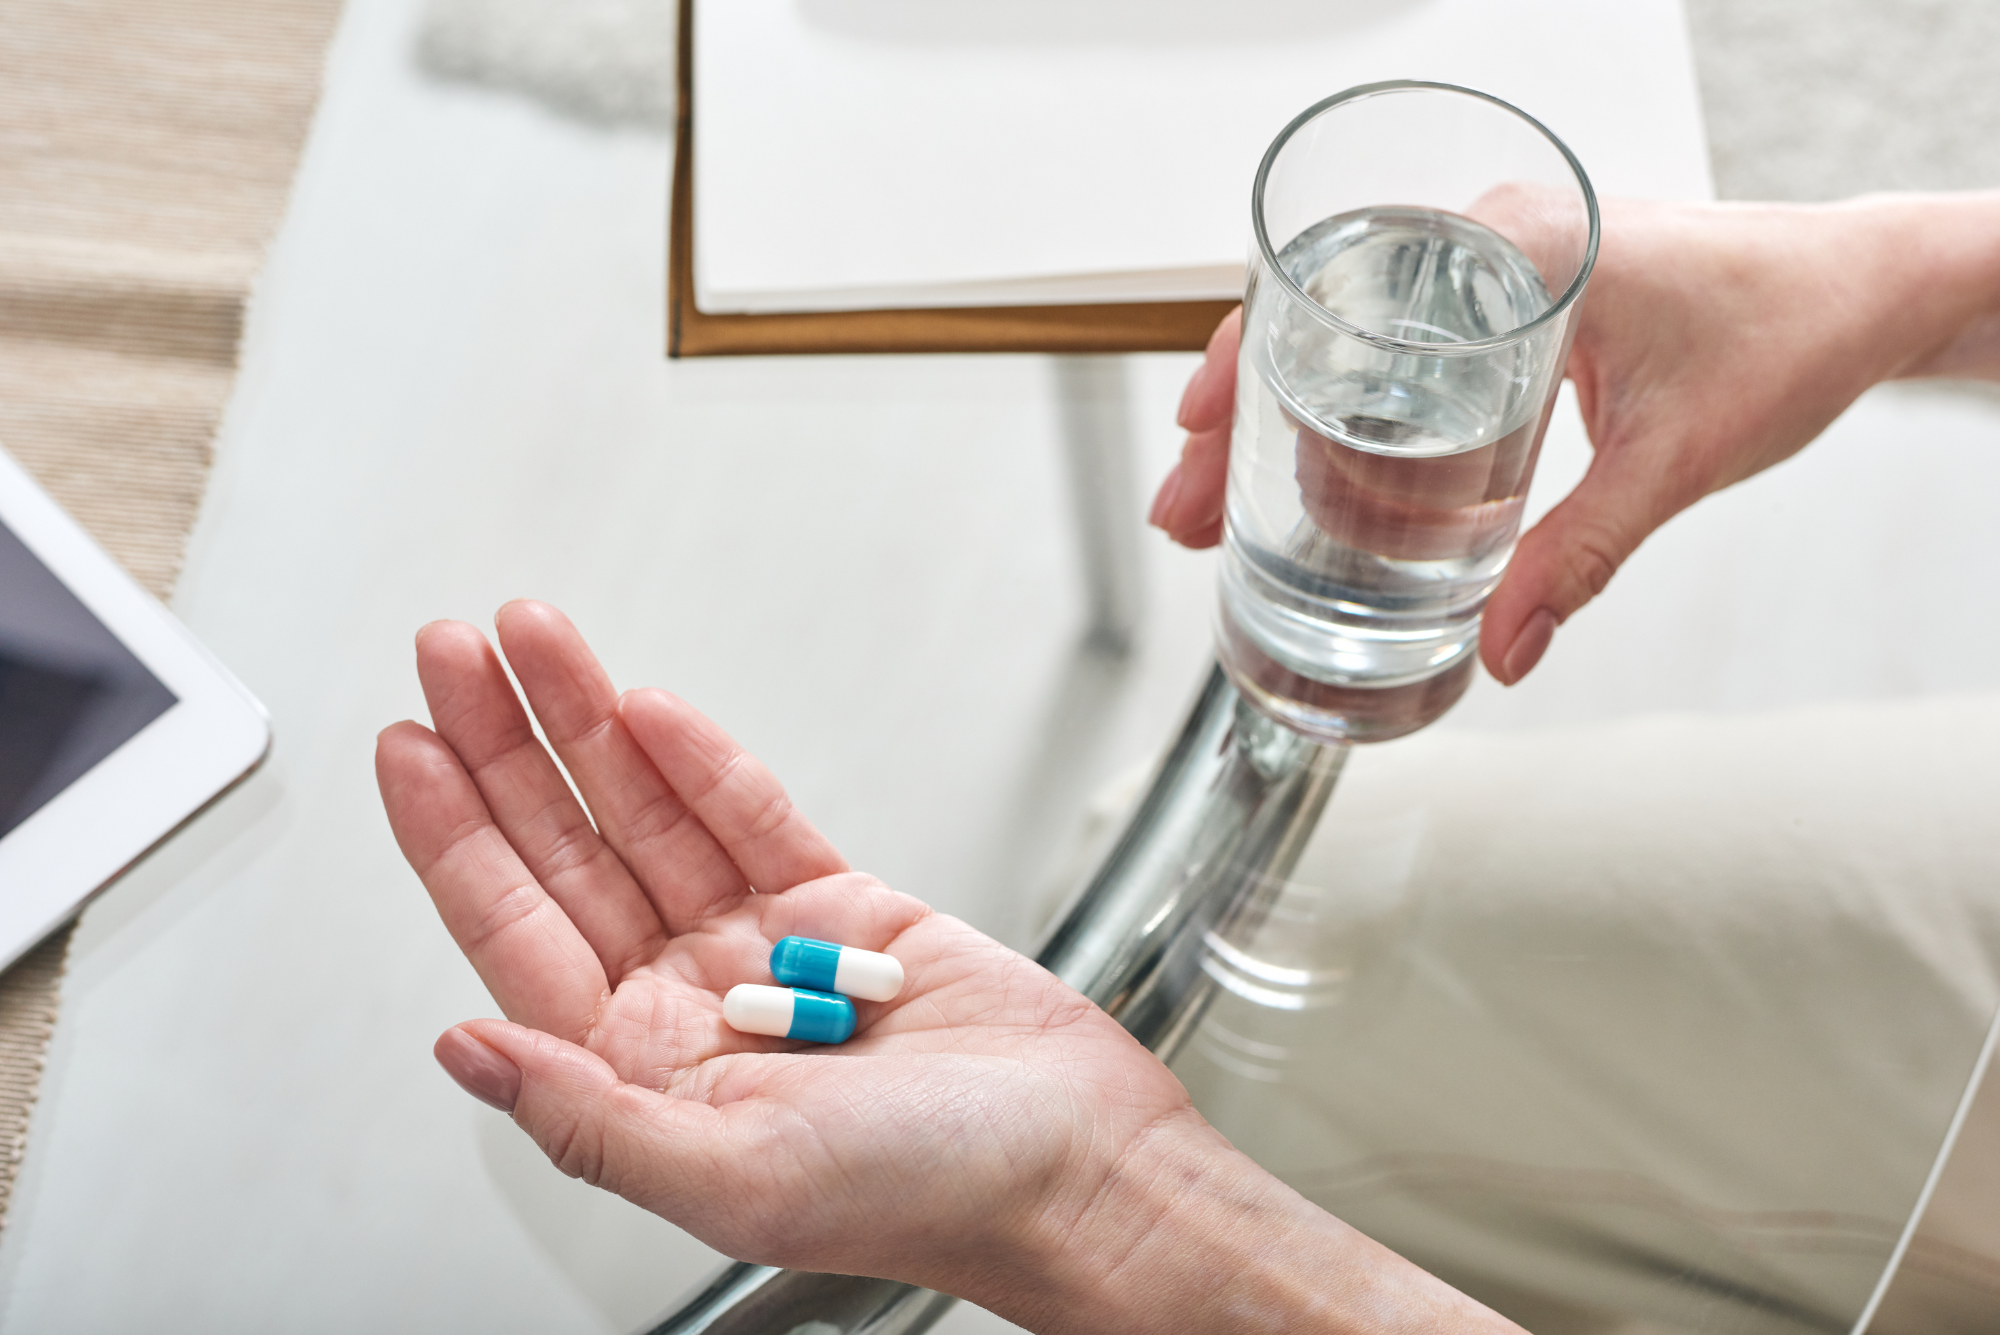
(70,693)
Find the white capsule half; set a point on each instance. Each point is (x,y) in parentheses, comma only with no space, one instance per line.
(868,974)
(752,1008)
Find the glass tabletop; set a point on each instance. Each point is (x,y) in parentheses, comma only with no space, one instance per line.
(1658,1021)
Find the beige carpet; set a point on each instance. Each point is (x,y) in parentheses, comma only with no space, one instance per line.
(1822,99)
(146,152)
(608,62)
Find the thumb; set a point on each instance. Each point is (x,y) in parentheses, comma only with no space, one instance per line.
(1565,561)
(658,1152)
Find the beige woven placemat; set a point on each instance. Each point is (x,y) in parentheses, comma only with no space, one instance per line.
(146,153)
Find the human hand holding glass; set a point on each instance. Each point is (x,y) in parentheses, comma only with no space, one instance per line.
(1419,253)
(989,1133)
(1716,341)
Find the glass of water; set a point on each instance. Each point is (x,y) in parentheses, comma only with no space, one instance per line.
(1420,252)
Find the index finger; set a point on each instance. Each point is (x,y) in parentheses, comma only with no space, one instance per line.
(1210,397)
(1189,504)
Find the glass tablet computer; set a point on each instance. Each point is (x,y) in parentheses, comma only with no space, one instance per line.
(115,725)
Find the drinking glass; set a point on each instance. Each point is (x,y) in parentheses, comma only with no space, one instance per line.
(1420,252)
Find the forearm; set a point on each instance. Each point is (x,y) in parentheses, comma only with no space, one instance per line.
(1934,264)
(1188,1234)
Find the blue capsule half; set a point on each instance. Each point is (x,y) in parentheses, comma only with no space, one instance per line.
(788,1012)
(800,961)
(820,1017)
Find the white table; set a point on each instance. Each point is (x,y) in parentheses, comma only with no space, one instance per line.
(453,394)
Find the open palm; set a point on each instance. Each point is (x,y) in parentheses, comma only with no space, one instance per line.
(987,1101)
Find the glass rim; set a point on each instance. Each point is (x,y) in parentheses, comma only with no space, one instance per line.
(1357,93)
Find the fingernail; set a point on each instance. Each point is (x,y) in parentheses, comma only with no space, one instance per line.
(480,1070)
(1529,646)
(1194,385)
(1163,503)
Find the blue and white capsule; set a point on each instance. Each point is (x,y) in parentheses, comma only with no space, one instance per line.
(788,1012)
(800,961)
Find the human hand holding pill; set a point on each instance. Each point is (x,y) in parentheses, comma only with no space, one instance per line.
(987,1132)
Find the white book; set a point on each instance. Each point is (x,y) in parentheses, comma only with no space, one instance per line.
(863,154)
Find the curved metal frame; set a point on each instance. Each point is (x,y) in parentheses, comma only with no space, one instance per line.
(1207,851)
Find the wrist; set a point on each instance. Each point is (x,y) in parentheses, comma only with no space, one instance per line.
(1185,1233)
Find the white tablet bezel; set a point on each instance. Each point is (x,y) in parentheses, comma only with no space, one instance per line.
(139,794)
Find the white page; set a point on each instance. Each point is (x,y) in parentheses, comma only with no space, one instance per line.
(858,153)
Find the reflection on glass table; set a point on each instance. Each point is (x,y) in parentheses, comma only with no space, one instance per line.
(1648,1026)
